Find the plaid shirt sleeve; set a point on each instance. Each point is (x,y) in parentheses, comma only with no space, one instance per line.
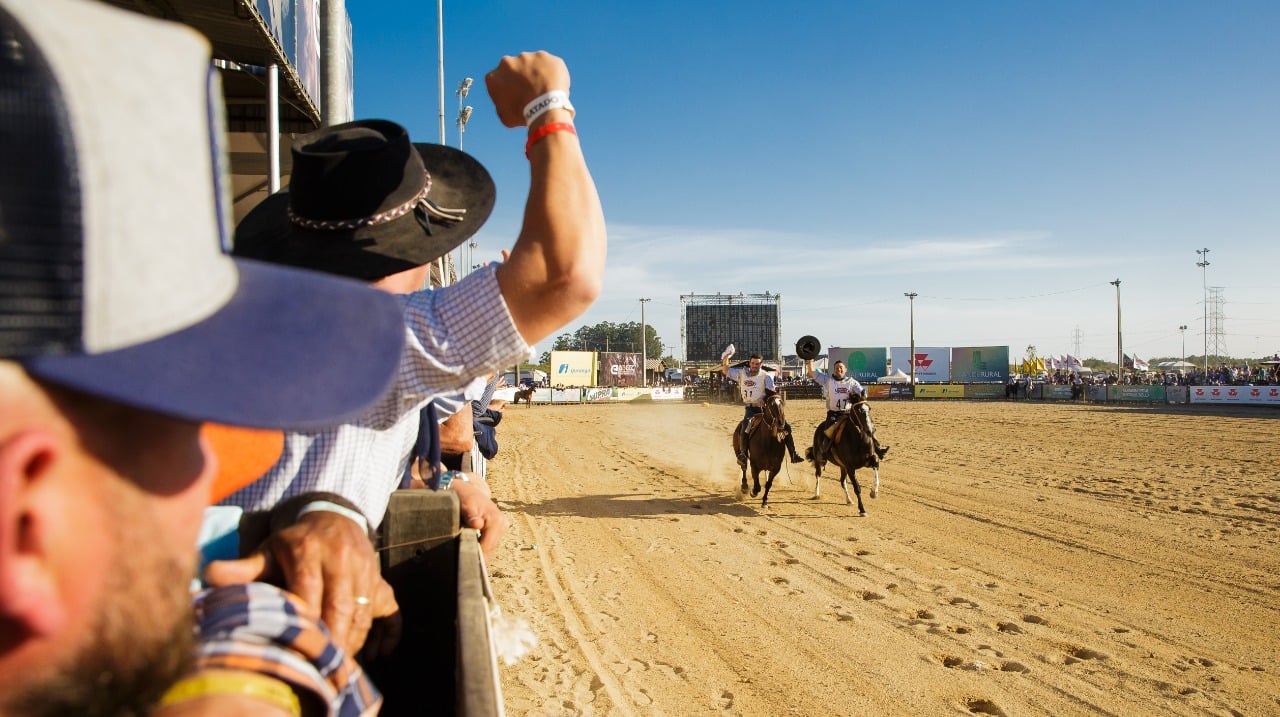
(261,628)
(455,334)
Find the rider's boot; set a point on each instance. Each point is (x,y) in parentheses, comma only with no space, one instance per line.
(791,448)
(742,450)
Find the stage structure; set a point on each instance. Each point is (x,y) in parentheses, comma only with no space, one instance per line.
(710,322)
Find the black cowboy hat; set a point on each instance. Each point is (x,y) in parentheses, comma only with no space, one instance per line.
(808,347)
(364,202)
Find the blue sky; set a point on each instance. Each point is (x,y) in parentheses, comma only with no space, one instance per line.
(1004,160)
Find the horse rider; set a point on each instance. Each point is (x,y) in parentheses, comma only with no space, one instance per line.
(756,385)
(840,391)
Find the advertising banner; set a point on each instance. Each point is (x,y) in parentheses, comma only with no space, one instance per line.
(565,395)
(979,364)
(1176,394)
(933,363)
(864,364)
(879,390)
(944,391)
(1057,392)
(619,369)
(983,390)
(1142,392)
(897,390)
(1239,395)
(667,393)
(573,368)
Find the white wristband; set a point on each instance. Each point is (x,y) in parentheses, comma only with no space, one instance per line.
(540,105)
(328,507)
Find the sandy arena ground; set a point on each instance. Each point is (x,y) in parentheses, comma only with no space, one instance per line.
(1023,558)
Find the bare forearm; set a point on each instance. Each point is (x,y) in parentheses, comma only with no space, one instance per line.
(557,265)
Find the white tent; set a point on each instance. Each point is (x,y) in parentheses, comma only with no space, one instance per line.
(896,377)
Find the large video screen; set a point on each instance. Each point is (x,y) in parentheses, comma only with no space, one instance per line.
(709,328)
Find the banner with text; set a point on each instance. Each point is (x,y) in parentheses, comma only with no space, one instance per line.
(933,363)
(864,364)
(1242,395)
(980,364)
(951,390)
(573,368)
(619,369)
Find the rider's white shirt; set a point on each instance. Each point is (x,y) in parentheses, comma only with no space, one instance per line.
(753,386)
(839,392)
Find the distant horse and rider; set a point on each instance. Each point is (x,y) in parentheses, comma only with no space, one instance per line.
(760,443)
(524,394)
(849,444)
(846,438)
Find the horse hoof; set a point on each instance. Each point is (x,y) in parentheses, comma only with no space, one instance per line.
(862,513)
(755,492)
(873,493)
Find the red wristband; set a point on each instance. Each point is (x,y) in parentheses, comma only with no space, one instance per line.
(545,130)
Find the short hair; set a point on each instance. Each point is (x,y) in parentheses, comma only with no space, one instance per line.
(837,363)
(755,355)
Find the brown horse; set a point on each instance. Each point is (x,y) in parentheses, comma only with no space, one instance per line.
(851,449)
(765,446)
(526,395)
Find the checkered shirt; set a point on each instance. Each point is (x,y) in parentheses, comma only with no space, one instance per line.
(261,628)
(455,334)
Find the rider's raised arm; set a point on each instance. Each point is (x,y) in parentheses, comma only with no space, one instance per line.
(809,370)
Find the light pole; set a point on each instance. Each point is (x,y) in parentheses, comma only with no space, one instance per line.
(1183,329)
(911,296)
(464,113)
(1119,340)
(440,62)
(644,346)
(1204,286)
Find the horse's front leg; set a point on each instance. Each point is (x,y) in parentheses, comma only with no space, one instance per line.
(767,485)
(755,485)
(844,475)
(875,487)
(858,492)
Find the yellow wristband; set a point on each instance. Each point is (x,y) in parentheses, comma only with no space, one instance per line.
(238,683)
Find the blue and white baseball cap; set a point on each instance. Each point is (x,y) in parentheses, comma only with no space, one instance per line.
(115,277)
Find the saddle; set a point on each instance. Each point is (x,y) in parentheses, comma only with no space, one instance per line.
(836,430)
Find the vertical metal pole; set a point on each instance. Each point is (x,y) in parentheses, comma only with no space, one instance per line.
(440,43)
(912,297)
(273,128)
(1119,339)
(644,347)
(1204,286)
(333,68)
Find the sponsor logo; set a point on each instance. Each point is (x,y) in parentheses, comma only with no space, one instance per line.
(565,368)
(923,361)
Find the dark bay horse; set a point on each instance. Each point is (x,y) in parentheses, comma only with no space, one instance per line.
(524,394)
(765,447)
(851,449)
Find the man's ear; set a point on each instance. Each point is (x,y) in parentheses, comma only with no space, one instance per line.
(30,597)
